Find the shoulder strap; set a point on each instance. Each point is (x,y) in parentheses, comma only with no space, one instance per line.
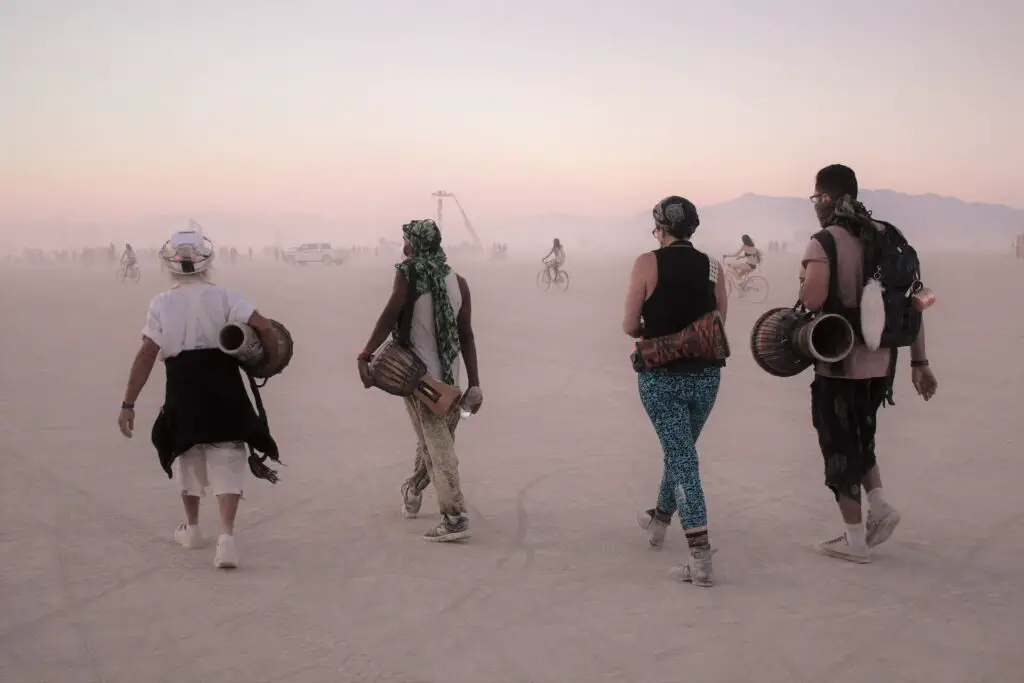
(828,243)
(405,318)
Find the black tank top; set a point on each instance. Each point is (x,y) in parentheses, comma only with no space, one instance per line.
(685,292)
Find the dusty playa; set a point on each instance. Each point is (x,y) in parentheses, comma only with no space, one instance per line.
(557,584)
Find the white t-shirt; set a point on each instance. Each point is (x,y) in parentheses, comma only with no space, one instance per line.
(422,330)
(190,316)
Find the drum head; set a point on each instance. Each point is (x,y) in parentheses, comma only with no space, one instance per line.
(872,314)
(773,343)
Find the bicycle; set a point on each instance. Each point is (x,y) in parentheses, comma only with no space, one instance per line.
(560,278)
(751,287)
(126,272)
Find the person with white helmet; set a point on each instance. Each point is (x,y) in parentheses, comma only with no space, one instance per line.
(207,427)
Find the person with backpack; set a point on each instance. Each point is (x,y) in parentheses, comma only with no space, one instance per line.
(855,261)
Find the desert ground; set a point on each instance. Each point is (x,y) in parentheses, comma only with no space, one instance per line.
(557,585)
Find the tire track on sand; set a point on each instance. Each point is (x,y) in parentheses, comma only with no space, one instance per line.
(517,544)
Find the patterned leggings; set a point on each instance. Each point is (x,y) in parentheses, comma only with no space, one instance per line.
(678,405)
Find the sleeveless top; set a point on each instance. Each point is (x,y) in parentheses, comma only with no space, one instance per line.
(422,336)
(685,292)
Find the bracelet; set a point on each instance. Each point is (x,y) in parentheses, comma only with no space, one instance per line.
(127,406)
(919,363)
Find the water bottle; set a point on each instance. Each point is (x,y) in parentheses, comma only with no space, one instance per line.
(470,401)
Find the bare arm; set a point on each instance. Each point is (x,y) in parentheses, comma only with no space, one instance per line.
(636,295)
(917,349)
(142,366)
(389,316)
(268,336)
(467,340)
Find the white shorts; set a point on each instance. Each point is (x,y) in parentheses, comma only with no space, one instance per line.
(219,466)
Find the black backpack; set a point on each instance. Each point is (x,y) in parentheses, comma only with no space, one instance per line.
(891,260)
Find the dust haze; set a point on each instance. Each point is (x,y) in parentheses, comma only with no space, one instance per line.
(336,583)
(301,136)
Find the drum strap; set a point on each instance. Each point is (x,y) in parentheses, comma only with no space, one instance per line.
(833,302)
(404,332)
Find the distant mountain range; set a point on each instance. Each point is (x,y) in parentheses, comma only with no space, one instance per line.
(928,220)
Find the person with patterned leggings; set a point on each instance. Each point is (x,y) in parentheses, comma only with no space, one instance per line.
(670,288)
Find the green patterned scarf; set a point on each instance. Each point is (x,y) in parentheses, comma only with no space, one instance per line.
(430,266)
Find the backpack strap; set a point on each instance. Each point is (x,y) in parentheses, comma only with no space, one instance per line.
(895,237)
(833,304)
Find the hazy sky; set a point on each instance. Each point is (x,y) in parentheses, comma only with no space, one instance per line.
(110,109)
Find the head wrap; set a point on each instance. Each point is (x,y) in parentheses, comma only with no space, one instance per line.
(427,268)
(846,212)
(676,215)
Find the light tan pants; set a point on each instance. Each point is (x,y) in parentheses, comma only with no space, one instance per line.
(435,456)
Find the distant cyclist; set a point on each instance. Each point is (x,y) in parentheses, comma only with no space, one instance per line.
(555,258)
(745,260)
(128,258)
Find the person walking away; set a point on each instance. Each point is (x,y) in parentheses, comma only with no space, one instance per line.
(207,421)
(670,288)
(433,303)
(845,397)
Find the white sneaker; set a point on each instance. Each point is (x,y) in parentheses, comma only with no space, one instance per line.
(648,521)
(840,548)
(698,570)
(227,555)
(880,528)
(189,536)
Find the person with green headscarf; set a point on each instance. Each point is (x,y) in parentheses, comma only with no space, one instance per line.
(430,312)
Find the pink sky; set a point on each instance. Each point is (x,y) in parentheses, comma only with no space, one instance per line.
(112,109)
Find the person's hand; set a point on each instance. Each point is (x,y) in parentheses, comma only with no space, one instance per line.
(924,382)
(126,421)
(364,373)
(472,400)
